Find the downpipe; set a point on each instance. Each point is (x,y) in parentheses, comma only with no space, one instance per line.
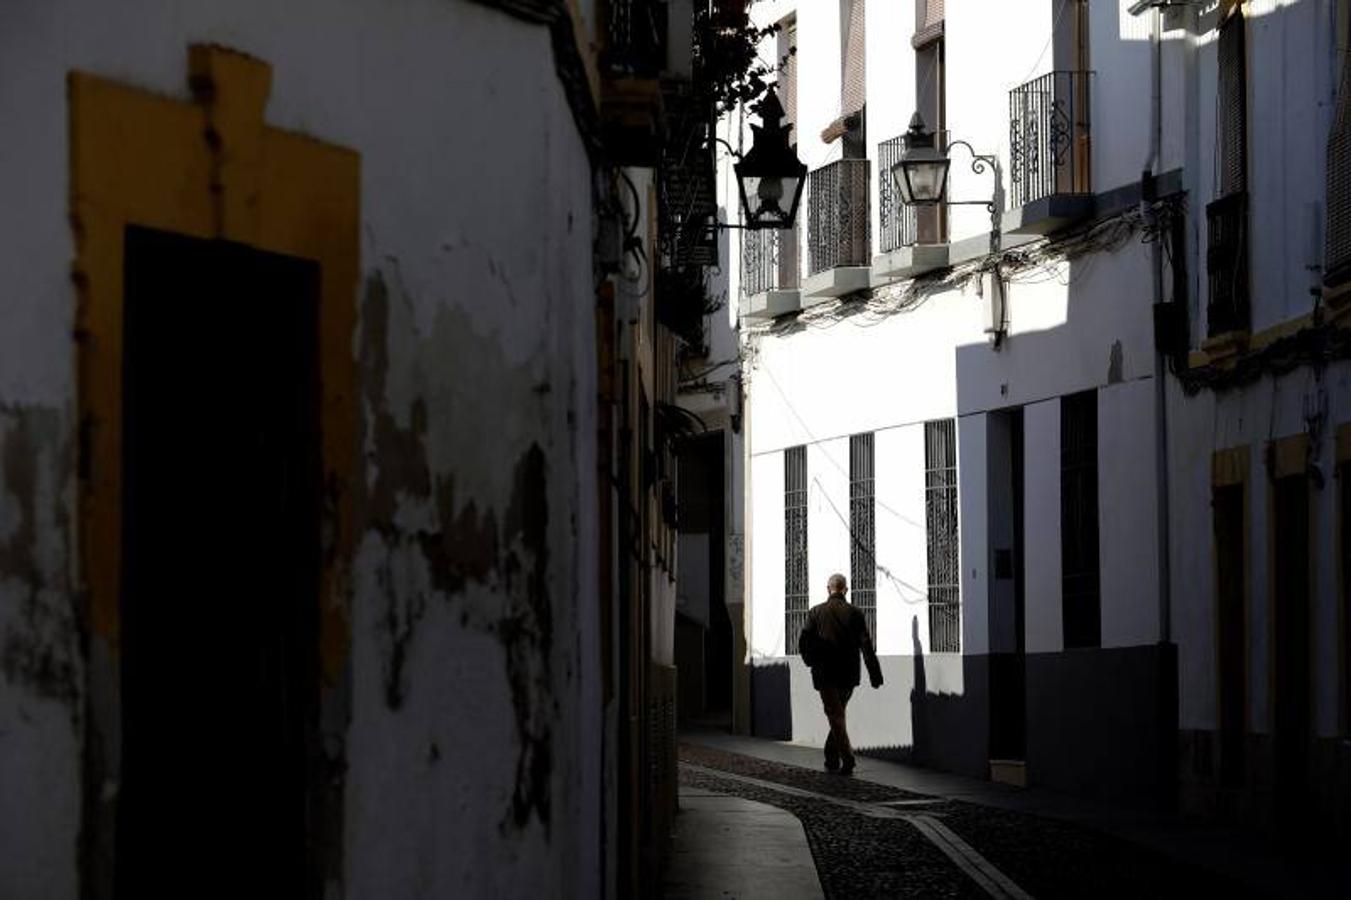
(1160,359)
(1166,685)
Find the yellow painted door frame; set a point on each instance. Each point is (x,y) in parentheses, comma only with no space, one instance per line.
(208,168)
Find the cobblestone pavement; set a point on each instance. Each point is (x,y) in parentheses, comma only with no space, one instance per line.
(860,855)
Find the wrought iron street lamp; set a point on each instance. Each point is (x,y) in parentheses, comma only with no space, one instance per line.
(770,176)
(921,176)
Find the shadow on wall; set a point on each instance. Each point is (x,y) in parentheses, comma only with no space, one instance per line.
(948,731)
(771,701)
(1098,722)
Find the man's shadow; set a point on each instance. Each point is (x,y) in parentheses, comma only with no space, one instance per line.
(919,692)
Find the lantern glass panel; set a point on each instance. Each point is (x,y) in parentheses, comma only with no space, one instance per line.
(921,182)
(769,199)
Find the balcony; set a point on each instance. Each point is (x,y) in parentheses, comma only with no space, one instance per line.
(770,284)
(635,37)
(633,58)
(913,240)
(1227,313)
(838,252)
(1049,153)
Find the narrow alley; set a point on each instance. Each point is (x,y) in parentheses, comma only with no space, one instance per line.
(899,831)
(615,449)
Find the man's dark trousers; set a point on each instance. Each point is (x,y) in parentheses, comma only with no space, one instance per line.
(835,635)
(835,700)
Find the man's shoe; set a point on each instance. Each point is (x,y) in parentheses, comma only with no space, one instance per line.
(832,765)
(847,767)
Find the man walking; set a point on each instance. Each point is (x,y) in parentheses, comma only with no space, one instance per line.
(830,643)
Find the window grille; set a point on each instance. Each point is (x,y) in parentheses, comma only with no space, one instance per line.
(1227,216)
(768,260)
(1232,106)
(863,529)
(1080,587)
(1227,264)
(837,216)
(636,37)
(1337,268)
(796,599)
(940,521)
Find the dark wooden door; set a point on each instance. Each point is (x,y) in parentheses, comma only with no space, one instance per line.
(1293,707)
(221,564)
(1230,592)
(1008,663)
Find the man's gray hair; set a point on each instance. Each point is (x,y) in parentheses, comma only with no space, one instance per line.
(836,584)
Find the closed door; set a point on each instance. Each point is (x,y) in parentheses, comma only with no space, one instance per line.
(220,570)
(1008,692)
(1291,608)
(1230,514)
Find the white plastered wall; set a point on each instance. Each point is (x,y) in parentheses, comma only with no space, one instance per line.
(767,555)
(1127,514)
(903,577)
(476,212)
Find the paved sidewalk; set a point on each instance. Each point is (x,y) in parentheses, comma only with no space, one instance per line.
(1242,856)
(727,847)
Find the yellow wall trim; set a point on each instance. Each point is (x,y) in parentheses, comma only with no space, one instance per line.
(1289,456)
(1230,466)
(208,168)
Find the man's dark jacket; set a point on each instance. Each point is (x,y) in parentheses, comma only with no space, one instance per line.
(835,633)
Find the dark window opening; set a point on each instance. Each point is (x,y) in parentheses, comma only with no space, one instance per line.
(1293,688)
(1080,587)
(1344,479)
(1227,216)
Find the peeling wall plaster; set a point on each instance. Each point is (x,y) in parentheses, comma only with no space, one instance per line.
(41,675)
(463,545)
(39,642)
(469,714)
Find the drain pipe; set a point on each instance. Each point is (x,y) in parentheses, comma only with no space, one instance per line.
(1149,192)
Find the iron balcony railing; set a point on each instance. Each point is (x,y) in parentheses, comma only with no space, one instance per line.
(769,260)
(1227,264)
(635,37)
(837,216)
(896,218)
(1049,149)
(901,224)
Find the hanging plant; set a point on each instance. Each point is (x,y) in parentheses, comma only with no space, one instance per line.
(728,67)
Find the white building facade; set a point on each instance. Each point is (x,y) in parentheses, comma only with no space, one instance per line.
(989,421)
